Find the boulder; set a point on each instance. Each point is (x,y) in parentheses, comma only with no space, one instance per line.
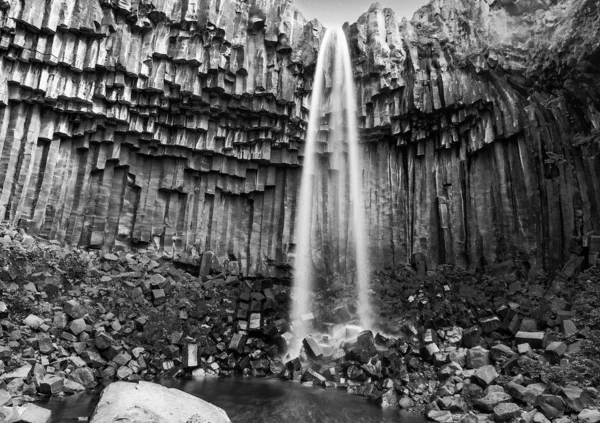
(152,403)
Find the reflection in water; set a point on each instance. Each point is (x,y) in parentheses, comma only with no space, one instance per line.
(252,400)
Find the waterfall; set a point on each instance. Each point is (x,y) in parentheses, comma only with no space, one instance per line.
(331,171)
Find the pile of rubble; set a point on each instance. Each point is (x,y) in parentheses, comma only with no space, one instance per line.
(75,320)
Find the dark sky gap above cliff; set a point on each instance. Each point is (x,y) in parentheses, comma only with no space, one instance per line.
(333,13)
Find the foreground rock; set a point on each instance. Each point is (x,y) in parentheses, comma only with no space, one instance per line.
(29,413)
(151,403)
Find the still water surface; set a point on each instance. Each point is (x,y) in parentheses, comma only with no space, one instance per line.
(257,400)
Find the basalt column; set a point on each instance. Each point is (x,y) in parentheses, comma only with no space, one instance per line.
(181,124)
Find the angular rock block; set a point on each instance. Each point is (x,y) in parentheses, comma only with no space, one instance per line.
(485,375)
(189,356)
(312,347)
(534,339)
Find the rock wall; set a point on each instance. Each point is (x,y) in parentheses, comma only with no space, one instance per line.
(170,122)
(482,132)
(180,124)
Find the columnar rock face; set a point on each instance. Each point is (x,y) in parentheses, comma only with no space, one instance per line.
(166,121)
(181,124)
(482,127)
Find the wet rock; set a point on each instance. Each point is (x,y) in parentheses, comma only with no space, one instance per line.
(312,347)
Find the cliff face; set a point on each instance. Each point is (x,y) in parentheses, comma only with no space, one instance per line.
(181,124)
(483,139)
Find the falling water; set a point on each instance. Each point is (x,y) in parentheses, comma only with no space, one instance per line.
(333,94)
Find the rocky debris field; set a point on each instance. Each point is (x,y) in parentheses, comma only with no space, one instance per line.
(455,346)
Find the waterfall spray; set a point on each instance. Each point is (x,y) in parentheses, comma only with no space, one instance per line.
(338,97)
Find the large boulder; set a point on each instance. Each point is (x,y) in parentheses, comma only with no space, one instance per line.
(146,402)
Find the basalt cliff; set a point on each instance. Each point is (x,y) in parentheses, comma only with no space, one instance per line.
(180,124)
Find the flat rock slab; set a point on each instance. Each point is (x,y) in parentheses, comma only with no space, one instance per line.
(151,403)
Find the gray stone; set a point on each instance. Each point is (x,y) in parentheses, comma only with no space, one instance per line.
(589,416)
(491,400)
(506,411)
(521,393)
(440,416)
(534,339)
(30,413)
(33,321)
(312,347)
(149,402)
(501,352)
(74,309)
(477,357)
(485,375)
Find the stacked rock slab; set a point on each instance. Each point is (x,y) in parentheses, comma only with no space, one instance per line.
(181,123)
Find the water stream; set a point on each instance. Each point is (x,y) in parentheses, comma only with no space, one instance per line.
(331,229)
